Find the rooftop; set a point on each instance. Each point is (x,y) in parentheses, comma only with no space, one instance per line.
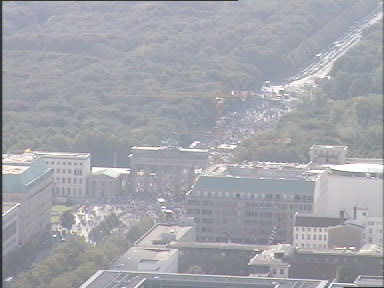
(310,220)
(19,179)
(135,255)
(369,281)
(168,148)
(155,236)
(131,279)
(70,155)
(18,159)
(217,245)
(359,168)
(110,172)
(252,185)
(267,257)
(366,250)
(13,169)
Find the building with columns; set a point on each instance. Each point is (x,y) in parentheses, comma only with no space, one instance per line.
(165,168)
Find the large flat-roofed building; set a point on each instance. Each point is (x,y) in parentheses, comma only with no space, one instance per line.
(317,264)
(151,251)
(10,226)
(216,258)
(250,204)
(160,235)
(349,185)
(149,259)
(71,172)
(108,183)
(31,186)
(132,279)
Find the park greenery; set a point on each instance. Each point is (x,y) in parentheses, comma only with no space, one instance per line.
(347,110)
(65,65)
(71,263)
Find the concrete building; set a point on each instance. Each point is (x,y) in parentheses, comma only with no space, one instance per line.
(31,186)
(160,235)
(149,259)
(346,186)
(108,183)
(216,258)
(244,204)
(165,164)
(322,264)
(150,252)
(10,226)
(317,232)
(71,172)
(318,264)
(133,279)
(372,226)
(270,262)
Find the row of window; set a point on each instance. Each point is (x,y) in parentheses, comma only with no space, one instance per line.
(371,223)
(68,191)
(314,237)
(310,229)
(304,198)
(315,246)
(77,172)
(69,180)
(62,163)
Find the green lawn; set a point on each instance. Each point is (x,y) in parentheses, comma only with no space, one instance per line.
(57,210)
(60,208)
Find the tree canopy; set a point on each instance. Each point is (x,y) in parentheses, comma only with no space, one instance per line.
(64,63)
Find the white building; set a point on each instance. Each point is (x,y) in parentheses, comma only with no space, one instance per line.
(311,231)
(10,227)
(343,187)
(71,172)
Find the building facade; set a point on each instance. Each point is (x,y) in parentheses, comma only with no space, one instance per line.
(31,186)
(317,232)
(10,227)
(248,205)
(346,186)
(71,172)
(372,226)
(108,183)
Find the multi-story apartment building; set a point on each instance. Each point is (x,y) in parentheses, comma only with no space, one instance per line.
(317,232)
(71,172)
(250,204)
(30,184)
(10,227)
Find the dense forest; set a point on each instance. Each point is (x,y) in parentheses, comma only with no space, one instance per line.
(65,64)
(347,109)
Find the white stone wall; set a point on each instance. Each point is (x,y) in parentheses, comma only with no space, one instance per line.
(70,175)
(310,237)
(343,193)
